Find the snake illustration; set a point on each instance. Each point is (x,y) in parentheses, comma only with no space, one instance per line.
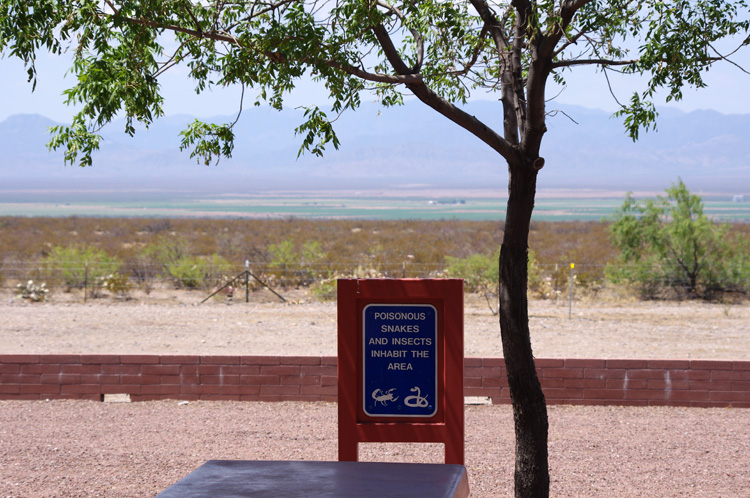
(417,401)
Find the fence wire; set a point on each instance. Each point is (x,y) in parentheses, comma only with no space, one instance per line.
(547,279)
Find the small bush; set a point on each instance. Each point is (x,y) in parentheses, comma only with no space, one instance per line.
(475,270)
(480,273)
(187,272)
(193,272)
(78,266)
(116,283)
(143,271)
(32,292)
(173,255)
(326,289)
(294,266)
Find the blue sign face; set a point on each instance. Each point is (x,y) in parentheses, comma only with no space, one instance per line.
(400,360)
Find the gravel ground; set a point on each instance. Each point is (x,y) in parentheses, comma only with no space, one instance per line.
(79,448)
(175,323)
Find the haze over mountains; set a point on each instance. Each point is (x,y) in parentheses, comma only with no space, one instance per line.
(406,146)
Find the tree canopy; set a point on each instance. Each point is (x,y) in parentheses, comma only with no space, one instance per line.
(438,52)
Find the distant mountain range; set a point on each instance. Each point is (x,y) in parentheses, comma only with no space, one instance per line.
(392,148)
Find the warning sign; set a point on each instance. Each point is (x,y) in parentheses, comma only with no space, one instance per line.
(400,360)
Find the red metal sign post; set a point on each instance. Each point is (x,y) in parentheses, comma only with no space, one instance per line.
(400,364)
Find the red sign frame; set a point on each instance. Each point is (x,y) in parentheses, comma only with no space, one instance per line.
(447,424)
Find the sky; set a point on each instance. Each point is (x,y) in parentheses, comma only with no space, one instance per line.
(726,92)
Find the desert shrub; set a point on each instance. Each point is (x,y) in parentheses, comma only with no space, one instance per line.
(579,242)
(325,289)
(193,272)
(29,291)
(186,272)
(143,271)
(166,257)
(643,278)
(540,285)
(173,255)
(157,226)
(79,266)
(116,283)
(384,245)
(559,278)
(669,243)
(387,248)
(732,276)
(166,250)
(476,270)
(283,256)
(480,273)
(296,266)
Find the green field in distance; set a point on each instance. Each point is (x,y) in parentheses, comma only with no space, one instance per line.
(324,206)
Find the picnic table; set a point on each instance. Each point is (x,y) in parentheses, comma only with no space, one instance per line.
(296,479)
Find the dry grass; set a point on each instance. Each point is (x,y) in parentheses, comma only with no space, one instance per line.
(343,241)
(391,248)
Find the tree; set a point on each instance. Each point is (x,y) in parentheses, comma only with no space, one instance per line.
(670,242)
(437,52)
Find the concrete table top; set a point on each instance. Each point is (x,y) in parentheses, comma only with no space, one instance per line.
(289,479)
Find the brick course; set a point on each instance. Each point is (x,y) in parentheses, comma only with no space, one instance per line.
(699,383)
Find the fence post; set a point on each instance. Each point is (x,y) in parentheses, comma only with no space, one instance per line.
(85,280)
(570,298)
(247,281)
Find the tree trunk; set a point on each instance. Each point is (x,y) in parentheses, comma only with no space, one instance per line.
(529,407)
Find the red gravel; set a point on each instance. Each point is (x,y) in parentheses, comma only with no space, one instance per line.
(80,448)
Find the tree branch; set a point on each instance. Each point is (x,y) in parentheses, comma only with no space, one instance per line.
(114,9)
(211,35)
(726,57)
(515,76)
(439,104)
(418,39)
(593,62)
(390,51)
(569,9)
(192,16)
(513,105)
(280,58)
(474,55)
(569,42)
(374,77)
(464,120)
(491,22)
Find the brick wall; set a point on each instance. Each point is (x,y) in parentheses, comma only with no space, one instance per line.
(621,382)
(151,377)
(313,378)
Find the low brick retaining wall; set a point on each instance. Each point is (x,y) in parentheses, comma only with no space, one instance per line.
(313,378)
(704,383)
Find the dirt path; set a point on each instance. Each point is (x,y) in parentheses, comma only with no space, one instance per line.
(175,323)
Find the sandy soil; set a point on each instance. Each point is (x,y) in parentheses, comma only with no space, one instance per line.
(167,322)
(80,448)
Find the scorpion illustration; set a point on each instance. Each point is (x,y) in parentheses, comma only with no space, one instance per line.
(383,397)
